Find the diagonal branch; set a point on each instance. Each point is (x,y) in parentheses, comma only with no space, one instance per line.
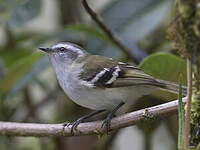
(109,33)
(54,130)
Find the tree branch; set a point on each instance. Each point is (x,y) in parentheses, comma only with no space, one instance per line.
(107,31)
(54,130)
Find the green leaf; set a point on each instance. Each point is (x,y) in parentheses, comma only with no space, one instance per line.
(11,56)
(164,66)
(181,118)
(17,71)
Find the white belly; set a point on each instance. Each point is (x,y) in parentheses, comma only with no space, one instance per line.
(106,98)
(98,98)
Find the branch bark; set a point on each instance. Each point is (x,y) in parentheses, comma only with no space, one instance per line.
(108,31)
(55,130)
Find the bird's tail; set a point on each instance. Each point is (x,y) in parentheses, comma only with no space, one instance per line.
(172,87)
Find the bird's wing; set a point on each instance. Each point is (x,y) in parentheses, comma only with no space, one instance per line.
(107,73)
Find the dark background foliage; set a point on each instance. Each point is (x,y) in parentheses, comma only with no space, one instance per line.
(29,91)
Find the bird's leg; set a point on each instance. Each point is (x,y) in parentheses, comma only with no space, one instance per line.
(107,121)
(81,119)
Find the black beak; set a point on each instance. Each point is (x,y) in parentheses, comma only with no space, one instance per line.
(45,49)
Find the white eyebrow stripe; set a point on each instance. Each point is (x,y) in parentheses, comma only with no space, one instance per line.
(59,45)
(69,47)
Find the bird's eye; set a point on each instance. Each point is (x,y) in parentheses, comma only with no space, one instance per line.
(62,49)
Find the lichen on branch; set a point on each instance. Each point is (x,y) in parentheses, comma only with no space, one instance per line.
(184,32)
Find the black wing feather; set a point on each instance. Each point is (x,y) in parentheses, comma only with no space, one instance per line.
(124,74)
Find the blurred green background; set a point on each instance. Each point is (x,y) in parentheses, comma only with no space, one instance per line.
(29,91)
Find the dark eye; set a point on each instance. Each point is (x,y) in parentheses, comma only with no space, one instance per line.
(62,49)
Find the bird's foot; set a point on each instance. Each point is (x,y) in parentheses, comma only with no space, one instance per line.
(106,122)
(73,124)
(78,121)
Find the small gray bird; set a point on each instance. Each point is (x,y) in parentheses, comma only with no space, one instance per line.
(100,83)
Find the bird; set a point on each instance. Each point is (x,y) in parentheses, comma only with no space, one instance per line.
(100,83)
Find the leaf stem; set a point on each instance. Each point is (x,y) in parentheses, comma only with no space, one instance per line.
(188,105)
(181,117)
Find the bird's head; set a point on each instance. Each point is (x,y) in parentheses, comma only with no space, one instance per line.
(64,52)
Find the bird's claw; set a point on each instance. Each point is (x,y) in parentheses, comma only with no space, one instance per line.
(73,125)
(66,124)
(107,121)
(106,124)
(78,121)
